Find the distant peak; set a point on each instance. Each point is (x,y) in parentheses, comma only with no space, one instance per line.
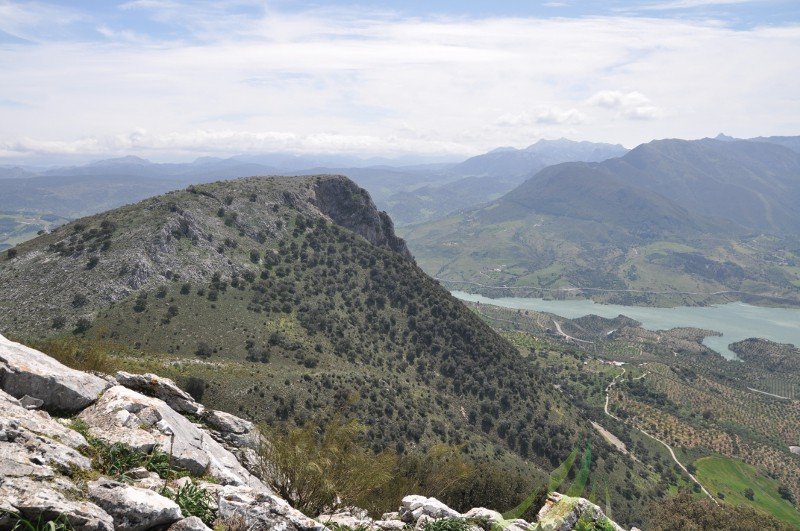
(722,137)
(130,159)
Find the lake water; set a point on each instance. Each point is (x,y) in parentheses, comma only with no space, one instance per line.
(735,320)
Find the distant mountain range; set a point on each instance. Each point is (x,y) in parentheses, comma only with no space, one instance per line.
(685,217)
(486,177)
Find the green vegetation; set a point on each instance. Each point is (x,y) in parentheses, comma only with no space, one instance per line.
(193,501)
(630,231)
(688,513)
(118,459)
(734,479)
(42,523)
(447,524)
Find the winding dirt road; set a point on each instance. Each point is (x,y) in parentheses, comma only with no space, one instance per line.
(668,447)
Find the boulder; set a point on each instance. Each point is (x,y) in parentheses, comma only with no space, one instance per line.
(132,508)
(123,415)
(485,517)
(161,388)
(227,423)
(413,507)
(25,371)
(252,509)
(34,500)
(561,513)
(192,523)
(32,443)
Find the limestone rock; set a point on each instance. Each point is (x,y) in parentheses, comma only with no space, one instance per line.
(423,521)
(31,443)
(413,507)
(258,510)
(28,402)
(141,421)
(485,517)
(25,371)
(33,500)
(352,518)
(560,513)
(388,525)
(161,388)
(192,523)
(227,423)
(132,508)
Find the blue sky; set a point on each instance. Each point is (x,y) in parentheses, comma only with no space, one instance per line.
(177,79)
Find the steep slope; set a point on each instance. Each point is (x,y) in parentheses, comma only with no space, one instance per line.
(753,184)
(287,298)
(671,222)
(488,176)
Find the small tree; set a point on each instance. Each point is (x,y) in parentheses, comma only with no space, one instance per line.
(204,350)
(749,494)
(11,254)
(82,325)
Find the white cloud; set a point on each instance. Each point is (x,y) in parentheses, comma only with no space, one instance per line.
(633,105)
(549,115)
(375,83)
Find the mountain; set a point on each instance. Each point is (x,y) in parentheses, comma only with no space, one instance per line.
(488,176)
(687,218)
(791,142)
(752,184)
(290,298)
(509,163)
(75,191)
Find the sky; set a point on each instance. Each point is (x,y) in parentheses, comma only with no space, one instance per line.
(444,79)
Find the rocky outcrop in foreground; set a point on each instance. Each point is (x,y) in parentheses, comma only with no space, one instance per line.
(128,458)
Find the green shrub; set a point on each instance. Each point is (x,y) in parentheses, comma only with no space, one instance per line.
(319,468)
(20,523)
(194,501)
(447,524)
(118,459)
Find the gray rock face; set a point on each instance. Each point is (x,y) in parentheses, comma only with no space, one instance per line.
(33,500)
(144,422)
(25,371)
(261,511)
(161,388)
(192,523)
(133,509)
(351,207)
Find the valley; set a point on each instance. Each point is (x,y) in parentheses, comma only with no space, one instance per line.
(667,395)
(634,230)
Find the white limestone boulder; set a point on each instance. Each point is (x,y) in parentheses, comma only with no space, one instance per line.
(25,371)
(123,415)
(132,508)
(161,388)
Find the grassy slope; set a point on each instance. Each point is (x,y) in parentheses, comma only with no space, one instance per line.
(731,477)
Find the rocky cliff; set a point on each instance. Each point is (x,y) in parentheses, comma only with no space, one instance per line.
(135,452)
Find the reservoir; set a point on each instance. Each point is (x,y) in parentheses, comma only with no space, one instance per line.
(735,320)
